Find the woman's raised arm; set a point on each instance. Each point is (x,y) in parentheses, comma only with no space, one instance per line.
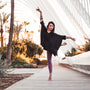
(41,17)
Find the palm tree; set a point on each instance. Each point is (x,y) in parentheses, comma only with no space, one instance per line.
(1,6)
(9,47)
(3,19)
(26,23)
(16,30)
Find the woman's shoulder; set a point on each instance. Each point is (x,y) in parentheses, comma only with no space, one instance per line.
(59,36)
(55,34)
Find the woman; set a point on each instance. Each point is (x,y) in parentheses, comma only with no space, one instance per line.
(50,41)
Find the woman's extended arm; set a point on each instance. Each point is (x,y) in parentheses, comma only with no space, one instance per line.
(41,17)
(68,37)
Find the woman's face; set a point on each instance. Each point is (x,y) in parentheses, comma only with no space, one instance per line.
(51,26)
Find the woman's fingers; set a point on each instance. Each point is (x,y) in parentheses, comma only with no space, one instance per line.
(38,9)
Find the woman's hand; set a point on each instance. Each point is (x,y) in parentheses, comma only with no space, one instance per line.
(39,10)
(41,17)
(71,38)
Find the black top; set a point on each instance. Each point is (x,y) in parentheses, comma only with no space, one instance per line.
(50,41)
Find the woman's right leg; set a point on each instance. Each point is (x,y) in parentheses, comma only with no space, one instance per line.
(49,58)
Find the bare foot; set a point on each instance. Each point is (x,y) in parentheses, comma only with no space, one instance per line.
(50,78)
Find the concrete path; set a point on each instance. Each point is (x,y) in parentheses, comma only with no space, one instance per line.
(23,70)
(63,79)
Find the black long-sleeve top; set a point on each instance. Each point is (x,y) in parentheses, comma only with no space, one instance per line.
(50,41)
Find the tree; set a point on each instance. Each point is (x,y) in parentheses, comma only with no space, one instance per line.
(16,30)
(3,19)
(9,47)
(1,6)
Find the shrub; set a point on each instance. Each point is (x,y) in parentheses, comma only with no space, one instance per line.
(68,53)
(3,55)
(3,67)
(43,62)
(27,48)
(31,49)
(73,50)
(87,47)
(18,47)
(30,66)
(3,52)
(39,51)
(36,60)
(17,62)
(22,64)
(3,49)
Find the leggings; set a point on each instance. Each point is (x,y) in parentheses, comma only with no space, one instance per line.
(49,58)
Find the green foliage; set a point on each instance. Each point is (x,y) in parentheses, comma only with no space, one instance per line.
(68,53)
(31,49)
(18,47)
(3,49)
(26,48)
(87,47)
(36,60)
(3,55)
(43,62)
(3,67)
(40,50)
(18,63)
(72,53)
(73,50)
(3,52)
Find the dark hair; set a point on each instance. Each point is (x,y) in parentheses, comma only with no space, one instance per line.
(51,22)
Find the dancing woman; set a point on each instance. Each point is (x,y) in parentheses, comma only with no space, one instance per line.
(51,41)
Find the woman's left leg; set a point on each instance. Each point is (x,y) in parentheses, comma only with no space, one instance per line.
(49,58)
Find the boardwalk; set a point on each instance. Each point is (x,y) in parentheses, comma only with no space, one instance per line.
(63,79)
